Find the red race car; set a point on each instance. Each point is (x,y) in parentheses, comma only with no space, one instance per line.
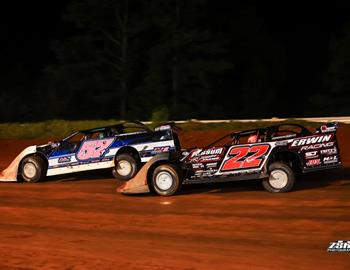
(274,154)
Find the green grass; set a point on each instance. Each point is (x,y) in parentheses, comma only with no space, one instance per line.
(56,129)
(47,129)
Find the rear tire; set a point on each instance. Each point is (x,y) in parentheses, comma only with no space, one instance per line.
(166,180)
(33,169)
(126,167)
(281,178)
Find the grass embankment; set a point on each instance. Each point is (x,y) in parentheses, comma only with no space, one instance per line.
(47,129)
(56,129)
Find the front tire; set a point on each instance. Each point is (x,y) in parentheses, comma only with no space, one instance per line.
(126,167)
(33,169)
(281,178)
(166,180)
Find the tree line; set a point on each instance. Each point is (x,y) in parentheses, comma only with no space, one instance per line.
(133,59)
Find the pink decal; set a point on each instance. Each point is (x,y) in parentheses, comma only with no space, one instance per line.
(93,149)
(161,149)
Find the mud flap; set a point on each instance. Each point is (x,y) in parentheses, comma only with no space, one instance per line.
(139,183)
(10,173)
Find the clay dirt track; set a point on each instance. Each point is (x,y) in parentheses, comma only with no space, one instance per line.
(79,222)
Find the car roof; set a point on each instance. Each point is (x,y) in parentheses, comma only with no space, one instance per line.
(272,127)
(118,126)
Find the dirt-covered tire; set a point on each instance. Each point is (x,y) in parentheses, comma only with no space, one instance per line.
(281,178)
(166,180)
(32,169)
(126,167)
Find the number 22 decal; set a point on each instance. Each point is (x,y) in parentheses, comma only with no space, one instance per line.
(245,157)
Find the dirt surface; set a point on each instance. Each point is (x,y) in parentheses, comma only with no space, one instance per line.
(79,222)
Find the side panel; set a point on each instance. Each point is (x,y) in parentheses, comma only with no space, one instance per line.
(79,168)
(318,151)
(87,155)
(246,160)
(99,154)
(245,157)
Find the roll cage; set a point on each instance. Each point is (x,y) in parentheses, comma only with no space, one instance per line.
(271,133)
(113,130)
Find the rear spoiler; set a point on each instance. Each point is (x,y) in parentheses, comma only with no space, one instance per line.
(328,127)
(169,125)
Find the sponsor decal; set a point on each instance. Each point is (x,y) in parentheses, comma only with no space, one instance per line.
(207,155)
(284,137)
(313,162)
(317,146)
(161,149)
(313,154)
(212,165)
(339,246)
(311,140)
(210,171)
(245,172)
(197,166)
(64,159)
(330,151)
(325,128)
(210,158)
(194,153)
(281,143)
(208,152)
(330,159)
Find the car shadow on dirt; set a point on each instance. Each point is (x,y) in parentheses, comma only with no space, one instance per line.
(324,178)
(313,180)
(81,176)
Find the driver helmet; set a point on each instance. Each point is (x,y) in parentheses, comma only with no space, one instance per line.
(252,139)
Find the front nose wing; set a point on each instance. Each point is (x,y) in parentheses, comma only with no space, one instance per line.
(139,183)
(10,173)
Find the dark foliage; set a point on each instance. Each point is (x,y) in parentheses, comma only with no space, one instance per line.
(138,59)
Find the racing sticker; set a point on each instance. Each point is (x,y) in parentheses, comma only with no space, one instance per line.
(207,155)
(64,159)
(245,157)
(311,140)
(313,154)
(317,146)
(161,149)
(313,162)
(325,128)
(198,166)
(330,151)
(94,149)
(330,159)
(212,165)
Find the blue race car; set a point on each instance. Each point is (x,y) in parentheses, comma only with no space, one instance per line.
(122,147)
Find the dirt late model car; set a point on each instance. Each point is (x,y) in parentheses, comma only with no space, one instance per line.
(275,154)
(113,147)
